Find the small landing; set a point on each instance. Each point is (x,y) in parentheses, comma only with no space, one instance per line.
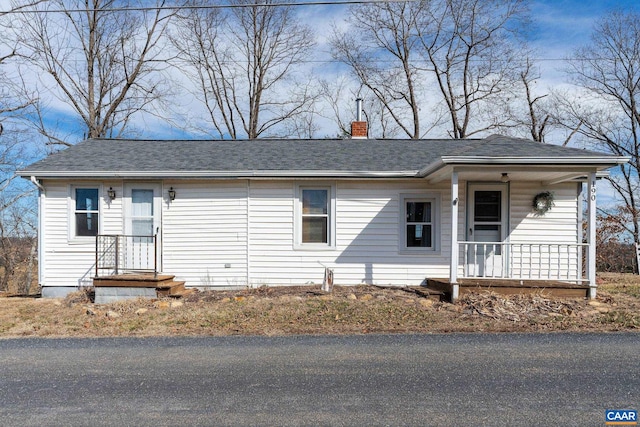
(132,280)
(511,287)
(139,285)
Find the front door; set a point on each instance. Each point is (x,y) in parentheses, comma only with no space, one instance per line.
(487,228)
(142,205)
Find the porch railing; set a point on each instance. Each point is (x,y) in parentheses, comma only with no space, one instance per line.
(116,254)
(526,261)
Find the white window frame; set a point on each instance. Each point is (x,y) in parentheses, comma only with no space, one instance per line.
(72,236)
(331,213)
(432,198)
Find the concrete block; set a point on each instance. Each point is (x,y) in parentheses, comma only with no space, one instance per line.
(57,291)
(105,295)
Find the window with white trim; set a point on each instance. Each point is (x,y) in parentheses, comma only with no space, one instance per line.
(420,223)
(315,220)
(315,215)
(86,220)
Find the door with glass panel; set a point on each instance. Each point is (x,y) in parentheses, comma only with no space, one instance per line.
(141,245)
(487,230)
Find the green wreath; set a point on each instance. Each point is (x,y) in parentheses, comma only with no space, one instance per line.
(542,203)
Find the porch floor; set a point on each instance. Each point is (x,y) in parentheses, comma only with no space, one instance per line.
(510,287)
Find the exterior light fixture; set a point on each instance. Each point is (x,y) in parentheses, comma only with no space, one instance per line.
(505,177)
(172,194)
(111,193)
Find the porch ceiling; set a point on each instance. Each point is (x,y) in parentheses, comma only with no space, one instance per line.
(546,175)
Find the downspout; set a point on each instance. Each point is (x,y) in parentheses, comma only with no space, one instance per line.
(40,231)
(37,184)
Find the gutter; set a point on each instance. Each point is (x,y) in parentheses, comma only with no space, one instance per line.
(223,174)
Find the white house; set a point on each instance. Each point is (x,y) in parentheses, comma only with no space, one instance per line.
(220,214)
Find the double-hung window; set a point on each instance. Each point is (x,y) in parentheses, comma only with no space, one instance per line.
(420,223)
(315,217)
(86,212)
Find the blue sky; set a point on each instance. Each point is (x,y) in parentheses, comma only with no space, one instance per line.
(558,28)
(563,25)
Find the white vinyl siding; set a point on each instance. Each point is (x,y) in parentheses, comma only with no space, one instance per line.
(558,228)
(234,233)
(558,225)
(367,220)
(69,260)
(204,233)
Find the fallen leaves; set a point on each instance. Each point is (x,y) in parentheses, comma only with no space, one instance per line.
(518,307)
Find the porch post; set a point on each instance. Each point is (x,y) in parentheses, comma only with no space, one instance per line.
(591,230)
(453,267)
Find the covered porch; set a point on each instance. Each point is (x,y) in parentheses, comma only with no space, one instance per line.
(488,247)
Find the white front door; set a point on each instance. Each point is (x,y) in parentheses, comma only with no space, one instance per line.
(487,226)
(142,207)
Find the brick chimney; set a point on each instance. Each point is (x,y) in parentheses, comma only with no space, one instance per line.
(359,127)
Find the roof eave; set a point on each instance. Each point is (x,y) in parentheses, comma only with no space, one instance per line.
(598,162)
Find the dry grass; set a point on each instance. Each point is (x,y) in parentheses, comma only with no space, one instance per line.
(306,310)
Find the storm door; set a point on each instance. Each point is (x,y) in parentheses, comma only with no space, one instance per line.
(487,230)
(142,227)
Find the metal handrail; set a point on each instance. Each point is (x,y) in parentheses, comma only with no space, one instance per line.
(119,253)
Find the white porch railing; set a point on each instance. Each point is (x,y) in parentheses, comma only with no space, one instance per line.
(525,261)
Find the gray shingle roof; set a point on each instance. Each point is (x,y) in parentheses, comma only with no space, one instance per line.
(124,157)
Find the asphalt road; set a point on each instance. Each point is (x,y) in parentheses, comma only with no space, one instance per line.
(440,380)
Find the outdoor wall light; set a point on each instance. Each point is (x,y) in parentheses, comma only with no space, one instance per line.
(505,177)
(172,194)
(111,193)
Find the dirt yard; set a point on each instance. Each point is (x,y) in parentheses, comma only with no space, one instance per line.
(307,310)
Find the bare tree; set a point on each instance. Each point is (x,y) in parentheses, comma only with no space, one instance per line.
(471,49)
(17,234)
(607,114)
(244,61)
(103,60)
(380,48)
(535,119)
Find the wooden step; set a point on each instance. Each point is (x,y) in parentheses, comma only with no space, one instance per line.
(430,293)
(439,285)
(183,293)
(172,288)
(133,280)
